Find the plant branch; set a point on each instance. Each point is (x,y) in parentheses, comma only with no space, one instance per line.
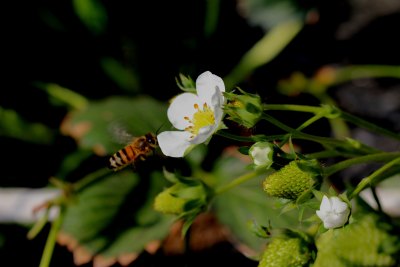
(369,180)
(376,157)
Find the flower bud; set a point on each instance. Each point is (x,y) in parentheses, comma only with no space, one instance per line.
(245,109)
(283,252)
(261,154)
(291,181)
(167,202)
(333,212)
(181,197)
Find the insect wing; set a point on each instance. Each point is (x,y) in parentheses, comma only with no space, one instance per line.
(119,134)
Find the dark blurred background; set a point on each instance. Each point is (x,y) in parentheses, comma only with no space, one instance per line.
(139,47)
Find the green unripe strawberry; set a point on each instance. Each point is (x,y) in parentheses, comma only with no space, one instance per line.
(167,202)
(285,252)
(361,243)
(291,181)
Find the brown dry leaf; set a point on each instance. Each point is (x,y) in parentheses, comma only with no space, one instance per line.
(76,131)
(101,261)
(205,232)
(66,240)
(127,259)
(153,246)
(81,255)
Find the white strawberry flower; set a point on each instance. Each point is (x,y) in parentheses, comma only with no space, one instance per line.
(195,116)
(333,212)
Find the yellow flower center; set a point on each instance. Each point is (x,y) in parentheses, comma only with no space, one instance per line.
(201,118)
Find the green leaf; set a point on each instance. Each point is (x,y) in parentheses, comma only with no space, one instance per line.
(97,205)
(125,78)
(246,202)
(13,125)
(62,96)
(107,125)
(114,216)
(92,13)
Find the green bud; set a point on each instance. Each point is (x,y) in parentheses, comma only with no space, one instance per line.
(245,109)
(292,180)
(167,202)
(262,154)
(285,252)
(180,198)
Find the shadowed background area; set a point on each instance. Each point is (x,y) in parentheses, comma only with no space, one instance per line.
(58,56)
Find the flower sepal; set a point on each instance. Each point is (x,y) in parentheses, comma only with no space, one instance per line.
(245,109)
(186,83)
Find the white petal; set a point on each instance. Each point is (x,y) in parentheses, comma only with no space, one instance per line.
(338,205)
(334,221)
(174,143)
(325,204)
(260,155)
(182,106)
(321,214)
(209,88)
(203,134)
(218,114)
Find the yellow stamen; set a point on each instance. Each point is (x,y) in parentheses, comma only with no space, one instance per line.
(200,119)
(236,104)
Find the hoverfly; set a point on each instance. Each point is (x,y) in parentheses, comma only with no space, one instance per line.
(138,148)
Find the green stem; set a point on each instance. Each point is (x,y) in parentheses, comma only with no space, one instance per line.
(241,179)
(310,121)
(350,73)
(369,180)
(376,198)
(288,107)
(252,138)
(38,226)
(325,154)
(377,157)
(90,178)
(343,115)
(266,49)
(304,125)
(51,239)
(300,135)
(368,125)
(325,141)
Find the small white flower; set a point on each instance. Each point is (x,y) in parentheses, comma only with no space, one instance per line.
(333,212)
(261,153)
(196,116)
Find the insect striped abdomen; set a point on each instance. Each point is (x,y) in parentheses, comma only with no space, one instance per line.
(138,149)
